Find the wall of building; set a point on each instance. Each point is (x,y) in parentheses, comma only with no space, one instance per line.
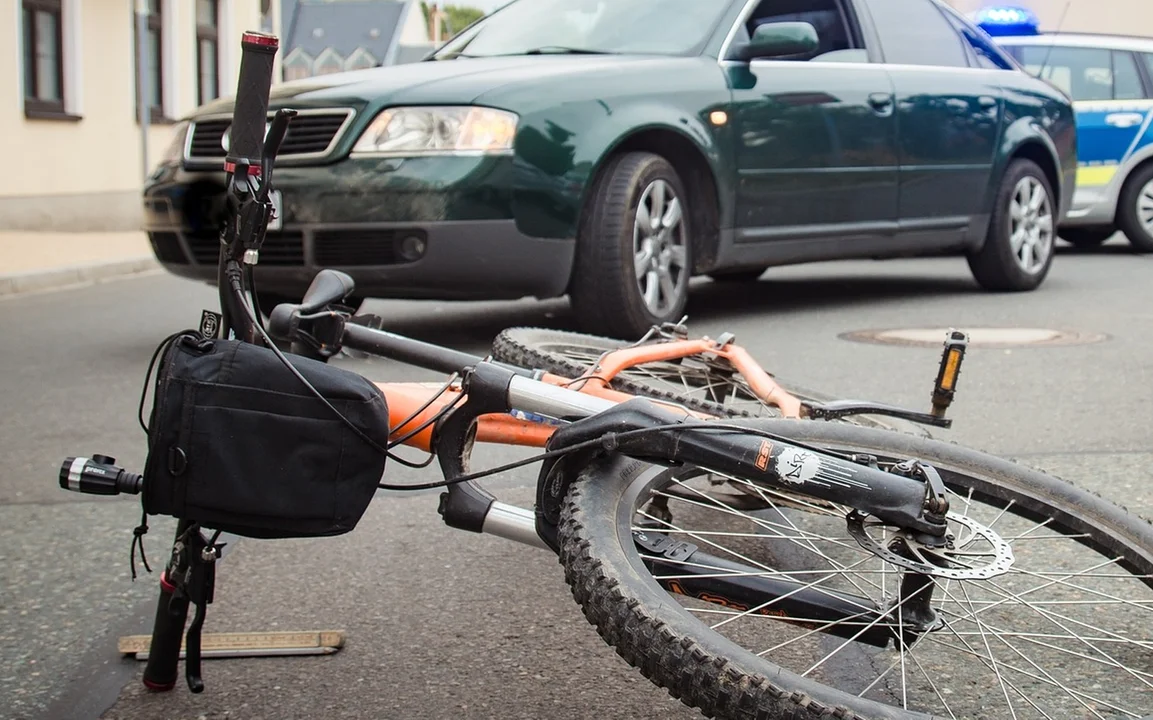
(85,173)
(1122,17)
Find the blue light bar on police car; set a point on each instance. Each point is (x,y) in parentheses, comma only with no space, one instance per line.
(1005,21)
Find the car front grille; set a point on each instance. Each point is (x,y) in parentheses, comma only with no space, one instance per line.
(311,134)
(166,245)
(361,247)
(280,249)
(356,247)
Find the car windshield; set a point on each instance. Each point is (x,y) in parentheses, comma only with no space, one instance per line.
(529,27)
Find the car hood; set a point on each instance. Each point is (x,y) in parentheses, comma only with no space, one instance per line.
(448,81)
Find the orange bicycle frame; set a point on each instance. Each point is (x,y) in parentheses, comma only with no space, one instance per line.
(405,399)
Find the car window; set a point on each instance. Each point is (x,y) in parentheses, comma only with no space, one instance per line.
(1126,77)
(1147,58)
(984,50)
(834,40)
(1084,73)
(670,27)
(914,32)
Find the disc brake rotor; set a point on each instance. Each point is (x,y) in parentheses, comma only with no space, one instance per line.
(974,552)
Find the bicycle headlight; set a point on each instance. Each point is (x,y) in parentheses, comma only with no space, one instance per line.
(438,130)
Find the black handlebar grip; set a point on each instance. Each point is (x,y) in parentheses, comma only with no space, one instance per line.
(250,114)
(161,672)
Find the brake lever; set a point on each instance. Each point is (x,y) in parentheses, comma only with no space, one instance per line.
(838,409)
(276,132)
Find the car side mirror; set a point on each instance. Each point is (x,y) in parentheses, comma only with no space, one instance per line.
(780,39)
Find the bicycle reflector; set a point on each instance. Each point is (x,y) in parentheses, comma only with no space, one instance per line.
(946,385)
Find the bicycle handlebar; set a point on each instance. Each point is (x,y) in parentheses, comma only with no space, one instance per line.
(250,114)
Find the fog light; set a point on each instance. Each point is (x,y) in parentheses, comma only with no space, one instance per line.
(412,248)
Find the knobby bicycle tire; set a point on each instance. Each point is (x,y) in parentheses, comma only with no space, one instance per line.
(671,646)
(534,347)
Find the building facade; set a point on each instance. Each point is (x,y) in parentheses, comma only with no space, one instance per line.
(73,137)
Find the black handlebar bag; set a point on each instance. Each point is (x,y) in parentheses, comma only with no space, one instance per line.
(237,442)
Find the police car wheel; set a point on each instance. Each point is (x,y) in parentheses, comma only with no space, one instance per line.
(1086,237)
(1018,249)
(1135,209)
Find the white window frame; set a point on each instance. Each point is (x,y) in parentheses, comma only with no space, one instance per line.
(71,52)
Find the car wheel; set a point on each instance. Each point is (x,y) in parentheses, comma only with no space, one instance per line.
(1087,237)
(634,250)
(1018,249)
(738,276)
(1135,210)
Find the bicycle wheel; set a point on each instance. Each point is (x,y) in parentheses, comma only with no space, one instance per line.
(1060,630)
(698,383)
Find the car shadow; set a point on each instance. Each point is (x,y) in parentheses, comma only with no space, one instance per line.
(1107,249)
(472,326)
(713,300)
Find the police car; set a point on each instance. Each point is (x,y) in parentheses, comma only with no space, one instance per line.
(1110,80)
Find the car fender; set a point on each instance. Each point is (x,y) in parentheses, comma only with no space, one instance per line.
(1025,131)
(556,166)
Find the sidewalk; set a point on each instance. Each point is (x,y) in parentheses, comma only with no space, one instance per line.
(32,261)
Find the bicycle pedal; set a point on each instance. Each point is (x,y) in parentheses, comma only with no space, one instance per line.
(945,386)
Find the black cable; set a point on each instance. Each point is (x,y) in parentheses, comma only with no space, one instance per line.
(610,441)
(148,375)
(304,381)
(416,413)
(439,414)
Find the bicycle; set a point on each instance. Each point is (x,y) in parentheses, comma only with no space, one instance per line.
(904,568)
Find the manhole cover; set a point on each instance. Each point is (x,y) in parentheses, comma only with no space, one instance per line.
(978,337)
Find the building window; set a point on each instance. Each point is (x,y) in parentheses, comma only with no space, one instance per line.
(207,50)
(154,74)
(43,57)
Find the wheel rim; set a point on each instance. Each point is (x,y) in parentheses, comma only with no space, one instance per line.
(659,248)
(1145,207)
(971,667)
(1031,225)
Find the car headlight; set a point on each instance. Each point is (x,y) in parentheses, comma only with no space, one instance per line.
(174,153)
(407,131)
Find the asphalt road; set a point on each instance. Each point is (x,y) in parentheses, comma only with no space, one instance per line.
(447,624)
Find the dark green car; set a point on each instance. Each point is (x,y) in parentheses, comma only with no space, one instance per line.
(611,149)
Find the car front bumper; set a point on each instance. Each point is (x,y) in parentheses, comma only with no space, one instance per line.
(360,216)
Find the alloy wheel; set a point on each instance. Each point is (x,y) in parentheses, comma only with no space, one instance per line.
(1031,231)
(659,248)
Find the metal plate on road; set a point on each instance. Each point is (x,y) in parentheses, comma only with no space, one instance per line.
(248,644)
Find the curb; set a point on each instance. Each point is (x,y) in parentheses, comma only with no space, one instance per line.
(39,280)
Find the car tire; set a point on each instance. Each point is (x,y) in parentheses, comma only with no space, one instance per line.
(616,237)
(1086,237)
(738,276)
(1135,209)
(1018,249)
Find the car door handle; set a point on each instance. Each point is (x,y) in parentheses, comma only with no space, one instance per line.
(882,103)
(1124,119)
